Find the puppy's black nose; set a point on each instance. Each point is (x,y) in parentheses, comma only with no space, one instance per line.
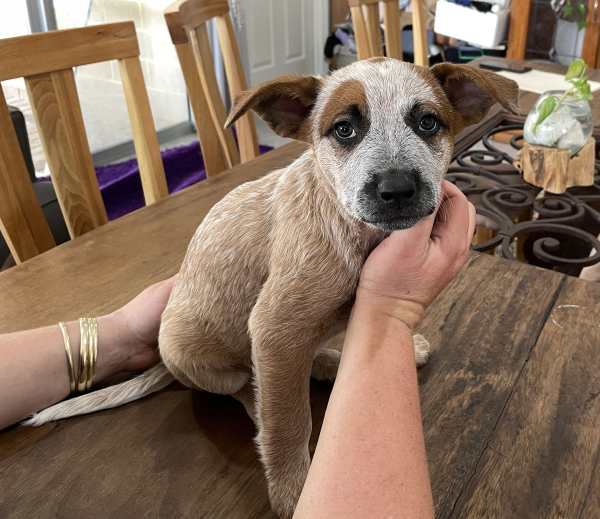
(396,188)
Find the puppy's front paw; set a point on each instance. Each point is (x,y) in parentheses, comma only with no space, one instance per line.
(422,349)
(285,487)
(325,365)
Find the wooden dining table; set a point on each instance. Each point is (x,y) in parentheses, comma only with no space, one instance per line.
(510,398)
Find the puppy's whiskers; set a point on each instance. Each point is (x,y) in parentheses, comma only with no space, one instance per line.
(443,210)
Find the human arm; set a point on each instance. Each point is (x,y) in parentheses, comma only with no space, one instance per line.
(370,459)
(33,363)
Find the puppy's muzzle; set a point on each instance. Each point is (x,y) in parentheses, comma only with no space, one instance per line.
(396,199)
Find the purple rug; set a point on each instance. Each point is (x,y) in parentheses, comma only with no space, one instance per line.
(121,185)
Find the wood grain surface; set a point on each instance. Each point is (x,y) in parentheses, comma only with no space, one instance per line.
(517,29)
(591,39)
(358,3)
(198,12)
(56,108)
(205,66)
(373,27)
(56,50)
(554,169)
(236,80)
(543,459)
(480,343)
(145,140)
(391,21)
(421,49)
(207,133)
(363,47)
(175,24)
(187,20)
(22,221)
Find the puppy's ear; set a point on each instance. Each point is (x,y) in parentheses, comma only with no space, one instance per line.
(472,92)
(284,103)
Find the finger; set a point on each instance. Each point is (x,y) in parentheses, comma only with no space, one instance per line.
(472,223)
(161,290)
(171,281)
(167,285)
(416,238)
(456,222)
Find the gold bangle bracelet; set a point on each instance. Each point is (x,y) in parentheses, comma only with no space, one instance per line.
(71,369)
(93,350)
(84,360)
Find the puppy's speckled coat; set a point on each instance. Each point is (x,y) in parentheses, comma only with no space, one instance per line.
(271,273)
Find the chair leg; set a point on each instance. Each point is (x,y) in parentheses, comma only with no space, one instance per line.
(419,33)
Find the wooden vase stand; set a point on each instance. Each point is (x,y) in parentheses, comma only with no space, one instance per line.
(553,169)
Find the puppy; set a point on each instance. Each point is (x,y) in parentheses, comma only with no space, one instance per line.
(270,275)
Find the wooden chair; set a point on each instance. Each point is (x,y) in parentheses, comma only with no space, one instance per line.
(365,18)
(518,26)
(45,60)
(186,20)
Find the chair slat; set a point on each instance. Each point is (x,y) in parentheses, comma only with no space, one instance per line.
(246,129)
(192,15)
(365,18)
(371,12)
(420,33)
(197,12)
(55,106)
(55,50)
(177,31)
(391,22)
(363,47)
(22,220)
(205,66)
(355,3)
(207,133)
(145,140)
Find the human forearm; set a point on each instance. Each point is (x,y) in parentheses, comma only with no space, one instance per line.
(33,365)
(370,460)
(372,428)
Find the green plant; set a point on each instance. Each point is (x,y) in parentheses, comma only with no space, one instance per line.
(581,12)
(580,90)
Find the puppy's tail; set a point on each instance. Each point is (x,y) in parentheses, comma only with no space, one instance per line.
(155,379)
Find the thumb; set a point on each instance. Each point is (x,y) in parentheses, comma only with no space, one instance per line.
(416,238)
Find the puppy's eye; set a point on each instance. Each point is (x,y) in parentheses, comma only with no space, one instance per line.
(344,131)
(428,123)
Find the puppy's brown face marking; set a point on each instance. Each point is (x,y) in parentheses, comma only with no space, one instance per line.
(345,119)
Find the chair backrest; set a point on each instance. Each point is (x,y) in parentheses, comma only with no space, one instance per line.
(186,20)
(45,60)
(365,18)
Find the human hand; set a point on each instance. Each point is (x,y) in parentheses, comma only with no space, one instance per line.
(134,327)
(408,269)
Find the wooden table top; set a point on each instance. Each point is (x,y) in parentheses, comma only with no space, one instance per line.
(509,399)
(528,99)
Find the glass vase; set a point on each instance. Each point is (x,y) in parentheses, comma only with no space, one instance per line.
(568,127)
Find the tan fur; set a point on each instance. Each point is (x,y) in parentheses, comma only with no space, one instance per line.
(268,274)
(269,278)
